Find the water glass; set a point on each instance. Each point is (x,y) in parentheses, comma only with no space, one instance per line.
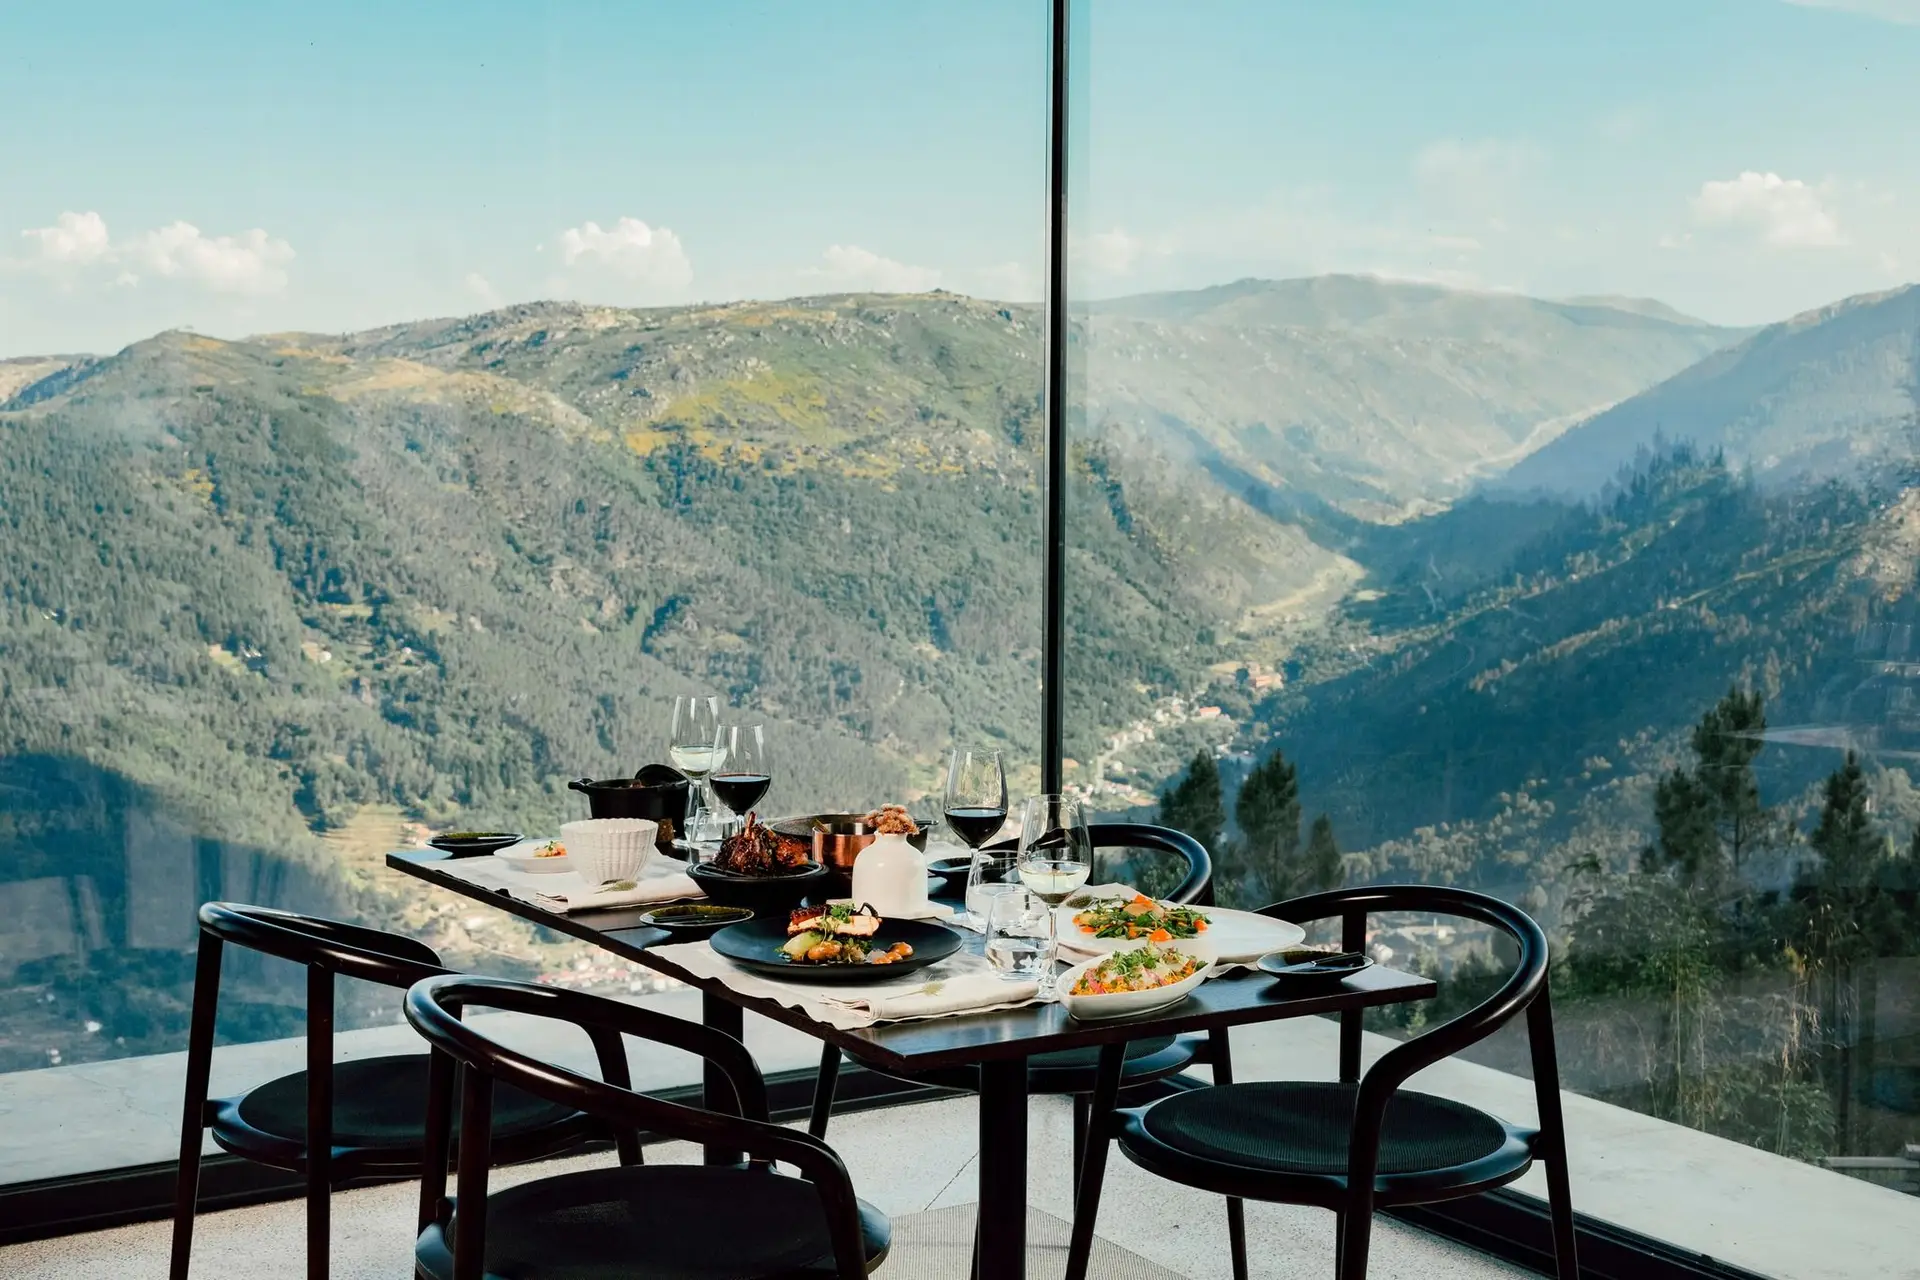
(991,874)
(1020,936)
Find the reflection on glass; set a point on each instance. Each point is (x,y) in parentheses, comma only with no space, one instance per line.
(1511,493)
(344,511)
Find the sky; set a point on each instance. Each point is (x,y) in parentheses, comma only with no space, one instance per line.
(251,168)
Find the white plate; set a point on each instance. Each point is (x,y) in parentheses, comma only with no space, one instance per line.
(520,858)
(1232,937)
(1124,1004)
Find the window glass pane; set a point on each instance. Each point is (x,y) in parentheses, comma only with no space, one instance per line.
(398,408)
(1497,433)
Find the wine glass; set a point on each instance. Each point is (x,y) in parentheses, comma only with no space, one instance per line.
(694,749)
(975,806)
(974,809)
(745,770)
(1056,853)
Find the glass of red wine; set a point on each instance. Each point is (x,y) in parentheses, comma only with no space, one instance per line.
(744,771)
(975,809)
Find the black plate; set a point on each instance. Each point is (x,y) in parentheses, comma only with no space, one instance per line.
(476,846)
(692,921)
(1304,968)
(756,945)
(952,870)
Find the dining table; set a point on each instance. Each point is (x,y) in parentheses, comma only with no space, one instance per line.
(999,1042)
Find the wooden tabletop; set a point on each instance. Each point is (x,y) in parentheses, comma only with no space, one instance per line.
(1231,1000)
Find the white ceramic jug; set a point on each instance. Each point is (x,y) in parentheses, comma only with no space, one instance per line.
(889,876)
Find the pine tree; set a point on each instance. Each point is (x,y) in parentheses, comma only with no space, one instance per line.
(1324,867)
(1683,811)
(1710,817)
(1195,803)
(1846,917)
(1849,848)
(1726,740)
(1268,813)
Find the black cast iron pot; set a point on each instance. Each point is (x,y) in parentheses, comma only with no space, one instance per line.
(657,792)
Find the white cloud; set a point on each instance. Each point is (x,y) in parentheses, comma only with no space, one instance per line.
(251,262)
(1110,253)
(482,290)
(631,251)
(1784,213)
(1905,11)
(1475,174)
(77,238)
(849,268)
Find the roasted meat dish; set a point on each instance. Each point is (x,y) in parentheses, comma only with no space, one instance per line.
(755,850)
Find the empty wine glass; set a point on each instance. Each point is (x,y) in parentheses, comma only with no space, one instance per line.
(745,771)
(1056,852)
(693,747)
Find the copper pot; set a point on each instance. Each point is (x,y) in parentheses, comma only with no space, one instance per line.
(834,840)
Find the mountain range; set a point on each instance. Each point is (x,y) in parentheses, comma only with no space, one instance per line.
(1829,392)
(446,565)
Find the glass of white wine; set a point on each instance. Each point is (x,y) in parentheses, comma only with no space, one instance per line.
(1056,852)
(693,748)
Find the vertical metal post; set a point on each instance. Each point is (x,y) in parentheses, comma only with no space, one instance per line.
(1053,528)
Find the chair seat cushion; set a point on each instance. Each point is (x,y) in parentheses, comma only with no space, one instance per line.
(665,1222)
(1088,1056)
(382,1103)
(1303,1127)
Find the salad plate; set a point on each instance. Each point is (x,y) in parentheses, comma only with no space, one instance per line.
(1125,970)
(1106,925)
(527,856)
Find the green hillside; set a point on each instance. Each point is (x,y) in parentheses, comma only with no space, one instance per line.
(448,566)
(1827,393)
(1377,397)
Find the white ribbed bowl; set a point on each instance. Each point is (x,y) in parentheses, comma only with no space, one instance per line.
(603,849)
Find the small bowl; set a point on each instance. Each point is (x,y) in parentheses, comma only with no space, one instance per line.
(692,921)
(475,844)
(1302,967)
(603,849)
(762,895)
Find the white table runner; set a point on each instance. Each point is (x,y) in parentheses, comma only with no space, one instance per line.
(662,881)
(962,983)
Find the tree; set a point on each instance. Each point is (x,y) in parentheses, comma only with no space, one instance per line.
(1195,803)
(1267,811)
(1323,856)
(1850,849)
(1710,817)
(1726,740)
(1683,812)
(1846,918)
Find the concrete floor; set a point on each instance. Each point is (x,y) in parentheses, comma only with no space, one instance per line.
(906,1160)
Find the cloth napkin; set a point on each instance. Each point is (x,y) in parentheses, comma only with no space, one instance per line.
(566,891)
(616,893)
(940,997)
(962,983)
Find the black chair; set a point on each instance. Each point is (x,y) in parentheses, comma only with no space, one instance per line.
(1363,1142)
(368,1116)
(741,1222)
(1071,1071)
